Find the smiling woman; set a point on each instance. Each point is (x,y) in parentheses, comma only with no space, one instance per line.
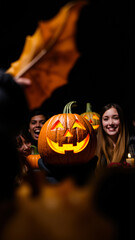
(111,123)
(112,137)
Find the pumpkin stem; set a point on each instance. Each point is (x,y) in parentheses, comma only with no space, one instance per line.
(34,150)
(88,107)
(68,107)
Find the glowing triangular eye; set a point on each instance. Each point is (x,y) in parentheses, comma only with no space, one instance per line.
(86,117)
(95,117)
(57,124)
(77,124)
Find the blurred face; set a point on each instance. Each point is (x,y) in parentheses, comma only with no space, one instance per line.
(111,122)
(35,125)
(23,146)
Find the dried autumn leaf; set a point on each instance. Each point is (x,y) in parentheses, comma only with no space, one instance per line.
(49,54)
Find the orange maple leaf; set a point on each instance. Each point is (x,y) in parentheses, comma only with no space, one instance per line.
(49,54)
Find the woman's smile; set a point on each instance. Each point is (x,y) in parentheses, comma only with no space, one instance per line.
(111,122)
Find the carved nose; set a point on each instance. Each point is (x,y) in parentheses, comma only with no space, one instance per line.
(91,121)
(68,134)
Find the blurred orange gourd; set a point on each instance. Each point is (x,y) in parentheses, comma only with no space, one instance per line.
(33,158)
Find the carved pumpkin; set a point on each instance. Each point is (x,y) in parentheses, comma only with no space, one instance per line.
(92,117)
(33,158)
(67,139)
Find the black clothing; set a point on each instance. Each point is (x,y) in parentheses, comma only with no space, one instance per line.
(81,173)
(13,106)
(13,113)
(131,145)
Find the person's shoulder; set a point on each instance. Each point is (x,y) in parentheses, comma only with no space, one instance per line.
(7,81)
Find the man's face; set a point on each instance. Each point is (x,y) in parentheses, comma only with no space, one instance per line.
(35,125)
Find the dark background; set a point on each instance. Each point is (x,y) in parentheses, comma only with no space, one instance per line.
(105,71)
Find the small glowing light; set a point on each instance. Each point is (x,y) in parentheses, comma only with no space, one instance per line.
(130,160)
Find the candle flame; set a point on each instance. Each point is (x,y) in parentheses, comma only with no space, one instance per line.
(129,155)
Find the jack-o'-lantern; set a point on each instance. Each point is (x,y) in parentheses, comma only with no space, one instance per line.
(67,138)
(33,158)
(92,117)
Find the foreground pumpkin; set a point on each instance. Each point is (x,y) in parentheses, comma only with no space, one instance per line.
(92,117)
(67,139)
(33,158)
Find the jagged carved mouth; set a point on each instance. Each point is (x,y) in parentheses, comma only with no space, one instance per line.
(69,147)
(95,126)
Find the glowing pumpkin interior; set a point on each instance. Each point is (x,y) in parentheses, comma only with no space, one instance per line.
(68,146)
(91,120)
(92,117)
